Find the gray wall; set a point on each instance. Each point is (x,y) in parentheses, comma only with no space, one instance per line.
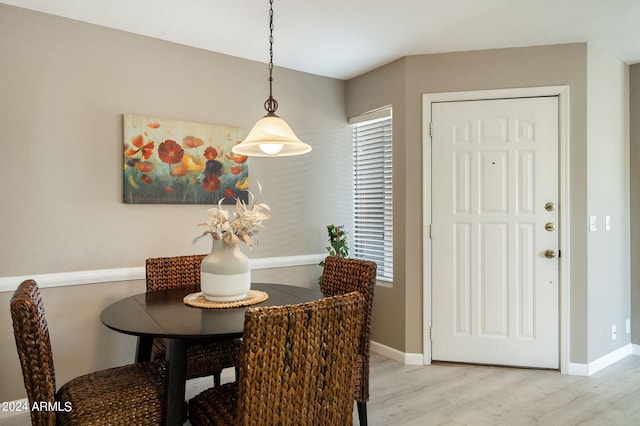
(64,86)
(382,87)
(608,192)
(402,84)
(634,102)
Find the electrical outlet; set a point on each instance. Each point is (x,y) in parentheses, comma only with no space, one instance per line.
(613,332)
(628,326)
(593,223)
(607,223)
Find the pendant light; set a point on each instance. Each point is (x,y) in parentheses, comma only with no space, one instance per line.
(271,136)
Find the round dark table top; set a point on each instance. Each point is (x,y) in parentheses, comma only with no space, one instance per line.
(164,314)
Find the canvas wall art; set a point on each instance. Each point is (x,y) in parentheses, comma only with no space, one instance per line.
(181,162)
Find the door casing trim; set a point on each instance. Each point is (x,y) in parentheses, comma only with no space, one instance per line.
(562,92)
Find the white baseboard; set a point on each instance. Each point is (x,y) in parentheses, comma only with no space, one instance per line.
(396,355)
(576,369)
(61,279)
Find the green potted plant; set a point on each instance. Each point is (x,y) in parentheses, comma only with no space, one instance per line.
(337,244)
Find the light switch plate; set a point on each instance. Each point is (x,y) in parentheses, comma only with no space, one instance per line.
(607,223)
(593,223)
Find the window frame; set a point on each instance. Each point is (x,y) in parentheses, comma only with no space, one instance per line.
(373,210)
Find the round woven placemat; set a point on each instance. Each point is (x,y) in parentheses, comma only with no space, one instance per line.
(199,301)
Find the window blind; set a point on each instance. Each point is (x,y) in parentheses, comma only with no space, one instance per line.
(373,193)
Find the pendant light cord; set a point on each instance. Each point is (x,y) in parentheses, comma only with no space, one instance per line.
(271,105)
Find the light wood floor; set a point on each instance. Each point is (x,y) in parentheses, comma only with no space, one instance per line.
(475,395)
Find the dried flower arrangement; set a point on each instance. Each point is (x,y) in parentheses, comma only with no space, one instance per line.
(246,222)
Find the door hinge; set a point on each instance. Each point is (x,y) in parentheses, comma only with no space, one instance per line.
(430,231)
(559,254)
(430,333)
(431,129)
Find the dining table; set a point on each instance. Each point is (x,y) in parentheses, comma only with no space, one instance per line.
(164,314)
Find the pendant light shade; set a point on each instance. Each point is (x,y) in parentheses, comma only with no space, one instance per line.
(271,136)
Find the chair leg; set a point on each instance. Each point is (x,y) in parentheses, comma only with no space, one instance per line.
(216,378)
(362,413)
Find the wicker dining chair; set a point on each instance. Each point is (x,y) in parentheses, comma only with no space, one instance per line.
(127,395)
(204,358)
(296,367)
(340,276)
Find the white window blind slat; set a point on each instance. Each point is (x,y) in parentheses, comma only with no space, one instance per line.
(373,193)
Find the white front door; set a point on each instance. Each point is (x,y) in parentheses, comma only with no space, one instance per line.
(495,285)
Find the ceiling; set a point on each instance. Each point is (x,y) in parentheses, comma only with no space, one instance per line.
(345,38)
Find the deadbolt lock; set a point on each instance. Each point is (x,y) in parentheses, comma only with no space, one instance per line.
(550,207)
(549,254)
(550,226)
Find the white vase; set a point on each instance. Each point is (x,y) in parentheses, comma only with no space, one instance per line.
(225,273)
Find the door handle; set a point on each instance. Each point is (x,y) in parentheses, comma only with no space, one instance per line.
(549,254)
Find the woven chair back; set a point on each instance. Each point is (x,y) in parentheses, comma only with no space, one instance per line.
(163,273)
(34,349)
(341,276)
(297,362)
(204,358)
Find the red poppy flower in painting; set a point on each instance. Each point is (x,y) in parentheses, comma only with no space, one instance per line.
(235,170)
(153,125)
(192,142)
(170,152)
(238,159)
(138,142)
(210,153)
(228,193)
(211,183)
(146,179)
(144,166)
(168,189)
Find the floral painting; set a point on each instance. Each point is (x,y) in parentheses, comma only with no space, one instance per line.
(180,162)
